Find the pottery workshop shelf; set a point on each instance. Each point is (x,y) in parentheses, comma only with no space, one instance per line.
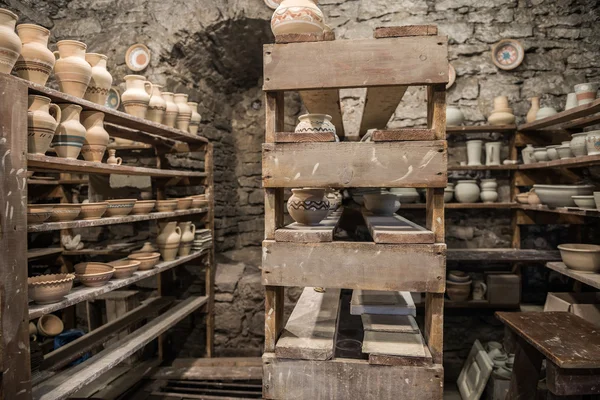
(591,279)
(575,162)
(460,206)
(452,130)
(502,255)
(574,118)
(584,212)
(33,254)
(482,168)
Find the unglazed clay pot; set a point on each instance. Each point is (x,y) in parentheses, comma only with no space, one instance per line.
(196,118)
(466,191)
(382,203)
(96,137)
(474,152)
(448,195)
(586,92)
(36,62)
(584,258)
(71,70)
(184,113)
(564,152)
(188,232)
(70,136)
(136,97)
(552,152)
(10,44)
(454,116)
(112,159)
(47,289)
(489,195)
(50,325)
(571,101)
(315,123)
(535,106)
(171,114)
(592,141)
(492,153)
(41,124)
(308,206)
(297,16)
(545,112)
(147,259)
(157,105)
(578,144)
(502,113)
(540,154)
(527,154)
(168,240)
(101,81)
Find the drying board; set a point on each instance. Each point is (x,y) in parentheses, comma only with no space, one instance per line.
(381,302)
(475,373)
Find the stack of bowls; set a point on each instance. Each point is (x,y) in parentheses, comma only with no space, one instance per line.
(458,285)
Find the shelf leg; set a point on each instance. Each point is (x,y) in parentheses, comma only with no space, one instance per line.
(274,303)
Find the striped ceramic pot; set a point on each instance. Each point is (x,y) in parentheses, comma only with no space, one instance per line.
(70,136)
(137,96)
(10,44)
(36,62)
(308,206)
(42,121)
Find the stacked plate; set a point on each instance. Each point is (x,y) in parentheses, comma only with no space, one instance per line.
(202,240)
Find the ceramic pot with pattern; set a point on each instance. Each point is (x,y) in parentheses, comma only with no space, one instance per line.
(168,240)
(41,123)
(35,62)
(184,112)
(136,97)
(70,136)
(586,92)
(10,44)
(592,141)
(101,81)
(188,232)
(578,144)
(71,70)
(297,16)
(315,123)
(157,105)
(172,110)
(196,118)
(308,206)
(96,137)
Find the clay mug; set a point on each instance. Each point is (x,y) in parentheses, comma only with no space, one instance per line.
(112,160)
(36,62)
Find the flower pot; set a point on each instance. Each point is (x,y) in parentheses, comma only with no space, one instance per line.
(188,232)
(168,240)
(101,81)
(96,137)
(535,106)
(527,154)
(157,105)
(41,124)
(592,142)
(584,258)
(586,92)
(71,70)
(297,16)
(466,191)
(70,136)
(454,116)
(578,144)
(196,118)
(315,123)
(474,152)
(136,97)
(10,43)
(382,203)
(492,153)
(36,62)
(308,206)
(184,112)
(171,112)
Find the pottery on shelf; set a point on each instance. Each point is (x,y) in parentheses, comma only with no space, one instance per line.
(168,240)
(147,260)
(143,207)
(171,112)
(136,97)
(502,114)
(101,81)
(94,274)
(492,153)
(561,195)
(545,112)
(70,135)
(41,124)
(454,116)
(308,206)
(196,118)
(522,198)
(586,92)
(489,184)
(489,195)
(36,61)
(592,142)
(71,70)
(584,201)
(297,16)
(448,195)
(458,276)
(10,43)
(315,123)
(183,203)
(479,289)
(384,203)
(527,154)
(119,207)
(96,137)
(552,152)
(533,198)
(466,191)
(65,212)
(188,232)
(166,205)
(124,268)
(112,158)
(474,152)
(540,154)
(584,258)
(47,289)
(579,144)
(405,195)
(93,210)
(535,106)
(38,213)
(458,291)
(571,101)
(564,152)
(50,325)
(157,105)
(184,112)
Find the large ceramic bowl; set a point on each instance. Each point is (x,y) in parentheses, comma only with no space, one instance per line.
(65,212)
(93,210)
(561,195)
(46,289)
(581,257)
(50,325)
(93,274)
(166,205)
(125,268)
(120,207)
(147,260)
(143,206)
(36,214)
(584,201)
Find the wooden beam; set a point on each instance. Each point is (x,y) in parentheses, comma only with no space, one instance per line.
(570,382)
(502,255)
(404,134)
(325,101)
(292,137)
(566,116)
(274,306)
(592,280)
(380,105)
(298,233)
(404,31)
(434,325)
(210,373)
(396,229)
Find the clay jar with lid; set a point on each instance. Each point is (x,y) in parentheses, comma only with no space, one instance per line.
(35,62)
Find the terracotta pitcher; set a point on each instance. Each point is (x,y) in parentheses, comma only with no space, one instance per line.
(10,44)
(41,124)
(96,137)
(196,118)
(535,107)
(36,62)
(168,240)
(184,111)
(157,106)
(137,96)
(172,110)
(101,81)
(72,72)
(70,135)
(188,233)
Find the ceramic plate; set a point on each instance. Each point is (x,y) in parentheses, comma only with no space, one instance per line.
(114,98)
(272,4)
(451,76)
(508,54)
(137,57)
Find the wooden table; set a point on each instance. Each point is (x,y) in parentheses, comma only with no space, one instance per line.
(571,346)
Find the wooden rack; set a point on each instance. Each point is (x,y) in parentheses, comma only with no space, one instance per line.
(15,312)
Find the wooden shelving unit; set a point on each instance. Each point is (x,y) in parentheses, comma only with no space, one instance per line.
(592,280)
(15,310)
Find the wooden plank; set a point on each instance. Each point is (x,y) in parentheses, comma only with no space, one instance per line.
(217,362)
(583,122)
(310,331)
(274,305)
(32,254)
(503,255)
(592,280)
(102,381)
(348,379)
(567,382)
(292,137)
(566,116)
(356,63)
(403,134)
(399,344)
(406,30)
(436,110)
(355,164)
(481,129)
(434,217)
(575,162)
(410,267)
(482,167)
(390,323)
(380,105)
(583,212)
(434,325)
(396,229)
(379,302)
(62,385)
(210,373)
(299,233)
(210,269)
(325,101)
(303,37)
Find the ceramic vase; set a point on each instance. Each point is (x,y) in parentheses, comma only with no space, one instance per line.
(535,106)
(527,154)
(578,144)
(545,112)
(112,158)
(96,137)
(489,184)
(41,124)
(474,152)
(297,16)
(136,97)
(188,232)
(36,62)
(571,101)
(466,191)
(586,92)
(157,105)
(10,44)
(171,114)
(101,81)
(489,195)
(71,70)
(552,152)
(315,123)
(502,114)
(70,136)
(540,154)
(184,112)
(592,140)
(168,240)
(454,116)
(308,206)
(196,118)
(492,153)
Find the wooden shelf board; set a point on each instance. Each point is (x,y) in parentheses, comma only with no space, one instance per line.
(563,117)
(481,129)
(589,279)
(323,232)
(502,255)
(53,226)
(470,304)
(82,293)
(409,206)
(396,229)
(584,212)
(39,253)
(482,167)
(575,162)
(57,182)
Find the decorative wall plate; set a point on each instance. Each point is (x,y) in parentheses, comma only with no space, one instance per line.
(451,76)
(272,4)
(508,54)
(114,98)
(137,57)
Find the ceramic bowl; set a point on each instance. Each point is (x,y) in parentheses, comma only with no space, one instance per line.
(166,205)
(584,201)
(50,325)
(564,152)
(65,212)
(199,203)
(458,276)
(93,274)
(183,203)
(597,199)
(46,289)
(143,207)
(36,214)
(522,198)
(147,260)
(584,258)
(93,210)
(405,195)
(545,112)
(448,195)
(125,268)
(119,207)
(561,195)
(381,203)
(540,154)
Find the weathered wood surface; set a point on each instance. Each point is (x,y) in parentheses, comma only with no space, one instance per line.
(380,105)
(293,137)
(325,101)
(406,30)
(566,116)
(355,265)
(299,233)
(552,334)
(349,379)
(304,37)
(389,323)
(589,279)
(217,362)
(32,254)
(481,129)
(569,382)
(436,110)
(310,331)
(404,134)
(399,344)
(434,325)
(274,307)
(575,162)
(396,229)
(380,302)
(356,63)
(504,255)
(355,164)
(482,167)
(210,372)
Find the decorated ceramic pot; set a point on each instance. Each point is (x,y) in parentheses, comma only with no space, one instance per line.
(466,191)
(188,232)
(578,144)
(535,106)
(171,112)
(10,44)
(527,154)
(101,81)
(168,240)
(308,206)
(297,16)
(71,70)
(315,123)
(36,62)
(136,97)
(196,118)
(96,137)
(545,112)
(41,124)
(586,92)
(592,141)
(157,105)
(184,113)
(70,135)
(454,116)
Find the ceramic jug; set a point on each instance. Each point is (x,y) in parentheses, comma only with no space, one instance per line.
(454,116)
(571,101)
(168,240)
(71,70)
(157,105)
(101,81)
(297,16)
(10,44)
(196,118)
(184,112)
(527,154)
(474,152)
(70,135)
(535,106)
(492,153)
(41,124)
(36,62)
(96,137)
(308,206)
(136,97)
(172,110)
(188,233)
(112,159)
(466,191)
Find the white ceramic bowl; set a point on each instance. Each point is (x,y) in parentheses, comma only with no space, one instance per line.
(597,199)
(581,257)
(561,195)
(584,201)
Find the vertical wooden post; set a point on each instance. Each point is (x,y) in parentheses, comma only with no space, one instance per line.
(436,110)
(210,267)
(15,379)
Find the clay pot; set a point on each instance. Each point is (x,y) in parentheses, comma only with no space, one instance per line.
(166,205)
(501,118)
(535,106)
(571,101)
(552,152)
(492,153)
(545,112)
(101,81)
(188,232)
(35,62)
(500,102)
(584,201)
(32,329)
(297,16)
(184,113)
(96,137)
(540,154)
(148,247)
(168,240)
(564,152)
(196,118)
(47,289)
(489,195)
(474,152)
(308,206)
(315,123)
(147,260)
(157,105)
(93,210)
(65,212)
(143,207)
(578,144)
(458,291)
(466,191)
(172,110)
(70,135)
(561,195)
(112,159)
(124,268)
(586,92)
(584,258)
(448,195)
(41,124)
(71,70)
(527,154)
(183,203)
(10,44)
(382,203)
(38,213)
(592,141)
(489,184)
(50,325)
(136,97)
(93,274)
(532,198)
(454,116)
(119,207)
